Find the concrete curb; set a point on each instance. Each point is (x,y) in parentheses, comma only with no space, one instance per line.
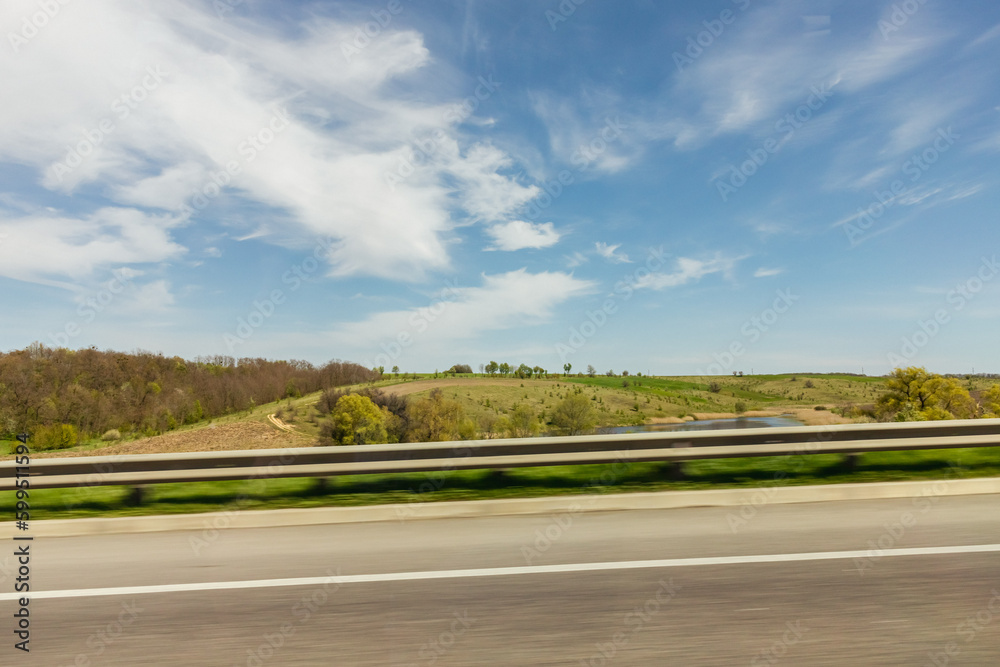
(506,507)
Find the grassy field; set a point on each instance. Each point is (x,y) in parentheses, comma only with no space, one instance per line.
(618,400)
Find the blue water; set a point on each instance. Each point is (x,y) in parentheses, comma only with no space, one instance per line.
(706,425)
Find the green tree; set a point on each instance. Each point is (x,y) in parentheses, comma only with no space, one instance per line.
(574,414)
(524,371)
(591,371)
(567,367)
(522,422)
(358,421)
(492,368)
(435,419)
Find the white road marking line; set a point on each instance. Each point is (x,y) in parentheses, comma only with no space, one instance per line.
(500,571)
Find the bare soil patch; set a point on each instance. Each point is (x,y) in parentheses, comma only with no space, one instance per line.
(212,438)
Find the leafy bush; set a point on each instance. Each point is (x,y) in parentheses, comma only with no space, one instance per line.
(112,435)
(574,414)
(57,436)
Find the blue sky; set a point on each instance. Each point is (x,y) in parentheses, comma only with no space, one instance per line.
(672,188)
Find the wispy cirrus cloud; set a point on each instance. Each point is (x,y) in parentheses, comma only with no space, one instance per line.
(610,252)
(687,270)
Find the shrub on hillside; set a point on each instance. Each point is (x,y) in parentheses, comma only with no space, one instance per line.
(57,436)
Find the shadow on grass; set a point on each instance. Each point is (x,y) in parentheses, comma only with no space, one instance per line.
(520,482)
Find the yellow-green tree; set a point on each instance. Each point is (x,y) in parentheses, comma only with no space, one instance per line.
(574,414)
(358,421)
(990,401)
(522,422)
(436,419)
(913,394)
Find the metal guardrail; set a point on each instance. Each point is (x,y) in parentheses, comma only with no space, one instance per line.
(669,446)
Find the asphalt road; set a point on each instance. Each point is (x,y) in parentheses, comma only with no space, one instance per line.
(360,594)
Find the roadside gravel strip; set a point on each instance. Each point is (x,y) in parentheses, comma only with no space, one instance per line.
(743,498)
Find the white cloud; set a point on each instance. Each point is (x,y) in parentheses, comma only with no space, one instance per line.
(518,234)
(587,131)
(687,270)
(764,272)
(576,259)
(609,252)
(504,301)
(47,247)
(197,89)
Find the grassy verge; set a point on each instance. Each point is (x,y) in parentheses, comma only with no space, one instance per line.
(520,483)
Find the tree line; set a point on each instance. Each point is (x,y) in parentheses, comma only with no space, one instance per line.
(372,416)
(64,396)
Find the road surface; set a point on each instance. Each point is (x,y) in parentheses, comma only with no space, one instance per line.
(575,589)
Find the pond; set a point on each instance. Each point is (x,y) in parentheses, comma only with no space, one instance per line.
(705,425)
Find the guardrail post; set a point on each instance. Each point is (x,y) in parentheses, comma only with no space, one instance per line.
(851,462)
(323,485)
(677,467)
(136,494)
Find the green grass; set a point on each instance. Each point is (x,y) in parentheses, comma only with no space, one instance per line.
(519,483)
